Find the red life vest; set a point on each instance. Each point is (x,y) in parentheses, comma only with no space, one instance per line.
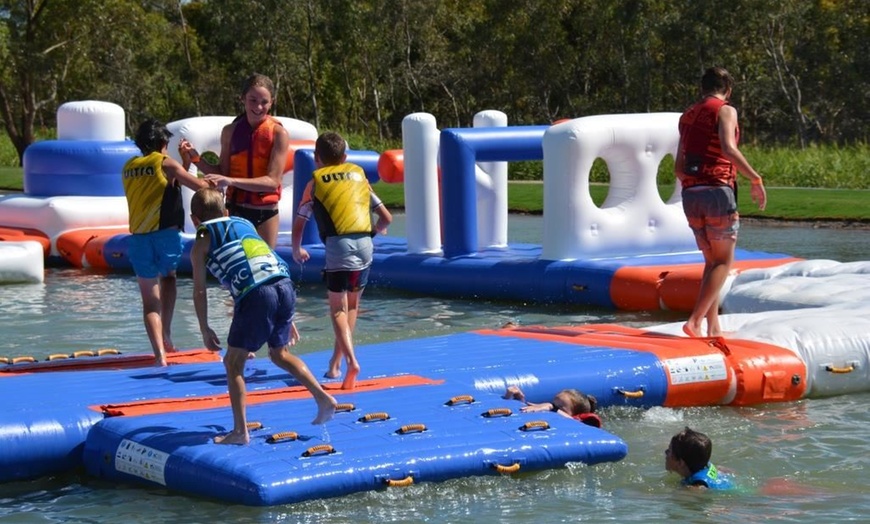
(703,160)
(590,419)
(250,152)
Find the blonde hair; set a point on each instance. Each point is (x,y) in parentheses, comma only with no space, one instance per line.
(207,204)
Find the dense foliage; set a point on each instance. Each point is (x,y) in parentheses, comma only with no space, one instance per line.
(361,66)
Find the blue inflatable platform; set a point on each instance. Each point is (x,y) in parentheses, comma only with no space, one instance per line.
(423,410)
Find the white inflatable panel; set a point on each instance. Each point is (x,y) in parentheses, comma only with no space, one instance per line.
(633,220)
(21,262)
(90,120)
(803,284)
(54,215)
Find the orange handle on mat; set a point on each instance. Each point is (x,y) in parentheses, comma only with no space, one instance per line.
(507,469)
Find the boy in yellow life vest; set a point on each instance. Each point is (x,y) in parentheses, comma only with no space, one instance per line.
(342,202)
(152,185)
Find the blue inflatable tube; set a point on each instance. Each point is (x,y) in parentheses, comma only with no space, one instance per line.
(76,167)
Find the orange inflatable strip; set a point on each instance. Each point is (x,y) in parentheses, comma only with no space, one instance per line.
(72,245)
(131,361)
(674,288)
(175,405)
(11,234)
(756,372)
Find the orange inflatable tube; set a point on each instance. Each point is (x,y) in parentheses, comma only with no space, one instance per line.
(11,234)
(72,245)
(674,288)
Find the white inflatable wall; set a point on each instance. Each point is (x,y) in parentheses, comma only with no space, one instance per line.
(420,143)
(90,120)
(633,220)
(492,184)
(204,133)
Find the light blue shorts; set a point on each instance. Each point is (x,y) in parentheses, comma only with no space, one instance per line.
(156,253)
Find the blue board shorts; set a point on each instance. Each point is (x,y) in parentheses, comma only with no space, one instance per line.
(155,253)
(712,213)
(264,316)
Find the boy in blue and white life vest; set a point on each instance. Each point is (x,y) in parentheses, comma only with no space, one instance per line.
(688,455)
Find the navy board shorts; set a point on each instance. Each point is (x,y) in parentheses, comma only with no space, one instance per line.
(264,316)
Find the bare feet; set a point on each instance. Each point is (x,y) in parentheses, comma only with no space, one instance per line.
(168,346)
(233,437)
(689,331)
(325,410)
(350,379)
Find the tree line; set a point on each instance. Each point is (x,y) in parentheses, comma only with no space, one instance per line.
(360,66)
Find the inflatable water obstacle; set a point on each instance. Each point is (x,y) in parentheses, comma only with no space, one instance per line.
(634,252)
(426,415)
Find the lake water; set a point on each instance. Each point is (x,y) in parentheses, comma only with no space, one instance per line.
(805,461)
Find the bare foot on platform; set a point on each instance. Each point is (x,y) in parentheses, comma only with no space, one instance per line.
(325,411)
(239,439)
(168,346)
(350,379)
(690,331)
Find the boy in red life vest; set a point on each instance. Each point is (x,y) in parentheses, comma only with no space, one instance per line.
(707,164)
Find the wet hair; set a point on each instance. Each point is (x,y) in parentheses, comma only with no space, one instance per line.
(692,447)
(330,148)
(258,80)
(207,204)
(152,136)
(580,402)
(716,80)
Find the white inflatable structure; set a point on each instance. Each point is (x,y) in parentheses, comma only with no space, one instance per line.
(820,309)
(633,219)
(84,127)
(421,142)
(21,262)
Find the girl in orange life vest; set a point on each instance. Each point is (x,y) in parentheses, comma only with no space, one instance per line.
(254,149)
(707,164)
